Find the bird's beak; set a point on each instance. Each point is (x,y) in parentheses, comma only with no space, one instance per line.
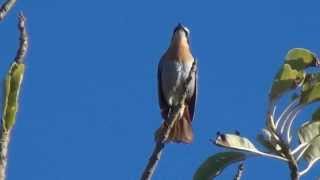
(180,26)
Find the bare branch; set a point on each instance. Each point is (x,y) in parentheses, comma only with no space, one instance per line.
(240,171)
(4,142)
(5,133)
(5,8)
(173,116)
(23,47)
(292,162)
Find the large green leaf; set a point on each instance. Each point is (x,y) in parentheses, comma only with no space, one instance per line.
(11,94)
(308,131)
(312,154)
(286,79)
(236,142)
(215,164)
(299,58)
(242,144)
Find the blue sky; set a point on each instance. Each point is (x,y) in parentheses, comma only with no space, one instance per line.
(89,101)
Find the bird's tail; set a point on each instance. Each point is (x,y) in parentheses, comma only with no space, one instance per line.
(181,131)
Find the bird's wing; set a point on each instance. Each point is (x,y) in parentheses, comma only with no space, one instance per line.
(192,102)
(164,107)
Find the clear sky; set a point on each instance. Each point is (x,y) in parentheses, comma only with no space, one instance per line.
(89,100)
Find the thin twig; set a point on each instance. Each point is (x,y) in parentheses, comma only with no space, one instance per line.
(4,142)
(22,51)
(5,133)
(240,171)
(5,8)
(173,116)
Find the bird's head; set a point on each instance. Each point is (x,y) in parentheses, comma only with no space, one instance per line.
(181,34)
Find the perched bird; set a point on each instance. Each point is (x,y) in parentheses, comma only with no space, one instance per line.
(173,70)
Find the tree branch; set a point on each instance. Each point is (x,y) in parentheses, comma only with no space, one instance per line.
(240,171)
(279,133)
(5,133)
(22,51)
(4,142)
(292,162)
(173,116)
(5,8)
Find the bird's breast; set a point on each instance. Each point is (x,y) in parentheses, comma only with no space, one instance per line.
(173,75)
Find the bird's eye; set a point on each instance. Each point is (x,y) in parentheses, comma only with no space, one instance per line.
(175,30)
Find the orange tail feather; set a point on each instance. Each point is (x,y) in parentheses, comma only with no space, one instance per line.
(181,131)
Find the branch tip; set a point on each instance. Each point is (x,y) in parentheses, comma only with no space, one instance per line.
(5,8)
(23,45)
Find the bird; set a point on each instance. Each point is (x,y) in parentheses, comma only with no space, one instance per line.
(173,69)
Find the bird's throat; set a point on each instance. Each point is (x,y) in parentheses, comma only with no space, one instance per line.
(179,50)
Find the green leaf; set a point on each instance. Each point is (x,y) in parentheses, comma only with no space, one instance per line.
(238,143)
(11,94)
(215,164)
(242,144)
(308,131)
(310,80)
(286,79)
(316,115)
(310,93)
(312,154)
(299,58)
